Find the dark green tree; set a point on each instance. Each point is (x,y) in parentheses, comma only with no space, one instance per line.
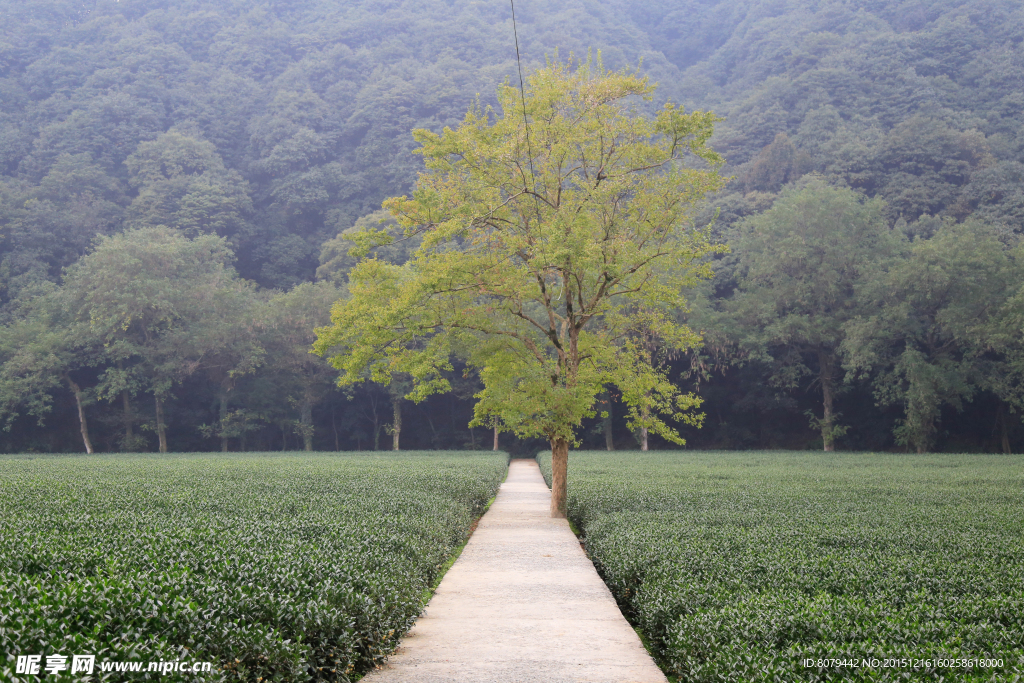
(936,335)
(42,350)
(287,325)
(801,267)
(146,295)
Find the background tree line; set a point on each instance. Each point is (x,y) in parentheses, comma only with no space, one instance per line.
(178,182)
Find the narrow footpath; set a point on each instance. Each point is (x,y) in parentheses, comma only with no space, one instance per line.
(523,603)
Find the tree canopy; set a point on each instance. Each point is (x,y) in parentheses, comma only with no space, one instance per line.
(547,250)
(802,268)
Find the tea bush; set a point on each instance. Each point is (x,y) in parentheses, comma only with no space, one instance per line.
(742,566)
(274,567)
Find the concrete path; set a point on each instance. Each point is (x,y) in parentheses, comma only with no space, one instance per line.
(522,603)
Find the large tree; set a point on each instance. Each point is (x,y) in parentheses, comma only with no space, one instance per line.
(152,296)
(938,329)
(1008,334)
(802,267)
(549,249)
(287,326)
(42,349)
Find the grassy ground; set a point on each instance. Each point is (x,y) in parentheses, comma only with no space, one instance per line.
(762,566)
(273,566)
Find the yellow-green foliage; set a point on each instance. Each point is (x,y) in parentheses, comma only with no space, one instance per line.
(547,254)
(738,565)
(275,567)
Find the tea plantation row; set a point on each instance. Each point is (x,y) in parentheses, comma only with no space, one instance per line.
(273,567)
(764,566)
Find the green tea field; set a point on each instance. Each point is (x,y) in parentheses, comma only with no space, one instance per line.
(275,567)
(783,566)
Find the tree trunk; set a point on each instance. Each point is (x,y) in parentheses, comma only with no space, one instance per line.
(645,412)
(606,423)
(433,430)
(161,427)
(1004,432)
(77,391)
(396,425)
(334,428)
(559,467)
(495,436)
(826,368)
(306,420)
(223,421)
(129,437)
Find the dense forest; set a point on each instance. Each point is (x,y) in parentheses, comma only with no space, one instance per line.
(179,183)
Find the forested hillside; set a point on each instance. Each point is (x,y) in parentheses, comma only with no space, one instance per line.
(178,181)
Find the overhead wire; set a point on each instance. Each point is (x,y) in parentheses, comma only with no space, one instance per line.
(522,94)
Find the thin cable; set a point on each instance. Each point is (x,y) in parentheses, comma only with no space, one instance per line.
(522,93)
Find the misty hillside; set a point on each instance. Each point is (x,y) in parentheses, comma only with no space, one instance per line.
(278,126)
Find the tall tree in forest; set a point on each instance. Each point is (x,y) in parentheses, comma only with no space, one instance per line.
(223,342)
(287,332)
(801,268)
(547,251)
(936,334)
(1007,334)
(144,294)
(41,350)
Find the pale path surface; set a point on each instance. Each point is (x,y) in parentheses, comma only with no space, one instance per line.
(522,603)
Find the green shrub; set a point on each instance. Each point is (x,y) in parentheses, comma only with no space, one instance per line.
(275,567)
(738,566)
